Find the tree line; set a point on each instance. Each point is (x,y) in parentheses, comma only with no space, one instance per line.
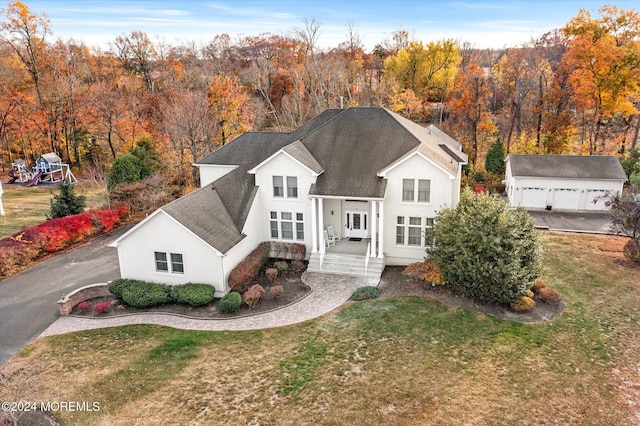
(574,90)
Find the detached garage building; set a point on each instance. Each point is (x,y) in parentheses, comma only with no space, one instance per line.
(564,182)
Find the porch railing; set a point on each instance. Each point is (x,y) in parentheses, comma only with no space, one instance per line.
(323,250)
(366,258)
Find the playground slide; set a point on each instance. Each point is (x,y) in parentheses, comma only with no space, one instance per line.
(34,181)
(12,175)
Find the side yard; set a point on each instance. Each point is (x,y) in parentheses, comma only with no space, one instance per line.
(408,359)
(25,207)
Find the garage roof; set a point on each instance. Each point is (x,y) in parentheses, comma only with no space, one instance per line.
(566,166)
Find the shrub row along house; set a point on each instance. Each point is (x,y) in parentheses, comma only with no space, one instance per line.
(360,188)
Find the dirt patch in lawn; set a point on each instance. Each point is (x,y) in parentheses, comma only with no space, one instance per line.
(294,290)
(394,283)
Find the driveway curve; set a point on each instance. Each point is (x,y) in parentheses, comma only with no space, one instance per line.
(28,299)
(328,292)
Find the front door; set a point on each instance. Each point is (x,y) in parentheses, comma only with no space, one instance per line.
(356,225)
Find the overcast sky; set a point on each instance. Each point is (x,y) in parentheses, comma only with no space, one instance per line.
(484,23)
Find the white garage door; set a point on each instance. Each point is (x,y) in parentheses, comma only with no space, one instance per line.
(594,195)
(533,198)
(565,198)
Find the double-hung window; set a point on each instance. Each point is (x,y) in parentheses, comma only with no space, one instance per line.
(278,187)
(169,262)
(282,191)
(416,190)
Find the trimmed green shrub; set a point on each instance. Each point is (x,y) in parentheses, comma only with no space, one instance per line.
(230,303)
(242,275)
(281,266)
(548,295)
(116,287)
(194,294)
(365,293)
(146,295)
(522,304)
(485,250)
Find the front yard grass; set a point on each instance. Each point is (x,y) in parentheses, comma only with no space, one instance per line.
(404,360)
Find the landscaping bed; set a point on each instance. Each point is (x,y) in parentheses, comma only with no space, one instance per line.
(394,283)
(291,282)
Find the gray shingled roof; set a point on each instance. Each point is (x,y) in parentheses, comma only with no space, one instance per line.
(566,166)
(204,214)
(351,146)
(358,143)
(298,151)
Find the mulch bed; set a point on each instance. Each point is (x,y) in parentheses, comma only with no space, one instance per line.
(294,290)
(395,283)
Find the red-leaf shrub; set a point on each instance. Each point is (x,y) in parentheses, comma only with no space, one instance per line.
(241,276)
(84,306)
(101,307)
(19,250)
(271,273)
(277,291)
(253,295)
(426,270)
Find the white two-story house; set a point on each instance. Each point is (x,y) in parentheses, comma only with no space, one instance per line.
(374,177)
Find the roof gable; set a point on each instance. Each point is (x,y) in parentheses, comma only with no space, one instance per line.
(566,166)
(297,152)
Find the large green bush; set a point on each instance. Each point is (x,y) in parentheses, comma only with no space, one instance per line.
(486,250)
(146,295)
(194,294)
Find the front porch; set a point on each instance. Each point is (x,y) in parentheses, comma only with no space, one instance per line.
(358,250)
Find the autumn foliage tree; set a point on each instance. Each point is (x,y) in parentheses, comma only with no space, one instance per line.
(230,105)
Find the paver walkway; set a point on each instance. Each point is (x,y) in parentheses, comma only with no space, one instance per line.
(328,291)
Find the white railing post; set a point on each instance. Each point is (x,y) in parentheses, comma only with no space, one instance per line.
(322,251)
(366,258)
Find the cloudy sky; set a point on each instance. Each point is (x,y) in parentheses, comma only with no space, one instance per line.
(484,23)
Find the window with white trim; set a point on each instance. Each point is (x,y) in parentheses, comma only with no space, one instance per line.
(416,190)
(169,262)
(286,226)
(414,231)
(279,189)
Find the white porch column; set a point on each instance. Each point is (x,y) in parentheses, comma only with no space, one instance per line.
(320,221)
(381,227)
(314,230)
(373,221)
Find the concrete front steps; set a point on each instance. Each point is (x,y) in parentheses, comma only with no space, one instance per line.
(346,264)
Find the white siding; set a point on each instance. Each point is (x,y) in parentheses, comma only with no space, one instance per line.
(253,229)
(212,172)
(572,200)
(283,165)
(443,194)
(161,233)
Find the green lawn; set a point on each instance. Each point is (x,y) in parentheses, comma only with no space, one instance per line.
(405,360)
(25,207)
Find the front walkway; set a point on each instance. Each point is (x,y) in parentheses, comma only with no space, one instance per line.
(328,292)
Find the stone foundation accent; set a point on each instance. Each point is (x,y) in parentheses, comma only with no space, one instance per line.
(66,303)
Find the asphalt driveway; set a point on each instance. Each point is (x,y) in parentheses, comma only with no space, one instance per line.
(28,300)
(593,222)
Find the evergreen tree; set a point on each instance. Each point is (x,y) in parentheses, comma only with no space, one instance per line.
(67,203)
(494,161)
